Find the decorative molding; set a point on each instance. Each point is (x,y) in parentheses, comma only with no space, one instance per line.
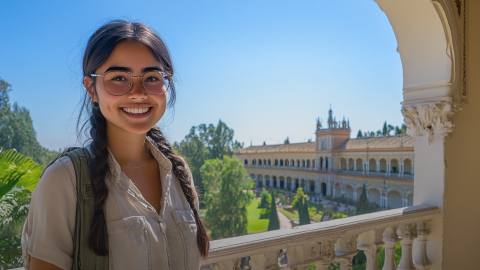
(430,119)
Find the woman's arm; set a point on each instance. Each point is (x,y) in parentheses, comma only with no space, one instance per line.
(37,264)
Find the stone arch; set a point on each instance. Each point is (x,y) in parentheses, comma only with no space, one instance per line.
(298,163)
(348,192)
(338,190)
(276,162)
(287,162)
(323,190)
(374,195)
(274,181)
(359,164)
(281,162)
(259,180)
(269,162)
(254,162)
(372,165)
(264,162)
(383,165)
(297,184)
(407,166)
(313,163)
(311,186)
(289,183)
(394,199)
(245,162)
(321,163)
(343,163)
(281,179)
(394,165)
(303,183)
(350,164)
(308,163)
(267,180)
(326,163)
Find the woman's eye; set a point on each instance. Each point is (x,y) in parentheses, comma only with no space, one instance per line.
(151,79)
(119,78)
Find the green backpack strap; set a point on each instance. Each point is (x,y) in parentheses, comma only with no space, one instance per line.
(83,257)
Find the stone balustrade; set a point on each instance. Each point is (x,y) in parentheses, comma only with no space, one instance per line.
(336,240)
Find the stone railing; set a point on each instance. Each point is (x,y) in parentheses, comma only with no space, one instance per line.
(336,240)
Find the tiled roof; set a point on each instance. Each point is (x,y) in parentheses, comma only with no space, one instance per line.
(379,142)
(292,147)
(398,141)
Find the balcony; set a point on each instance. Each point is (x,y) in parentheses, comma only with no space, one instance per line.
(336,240)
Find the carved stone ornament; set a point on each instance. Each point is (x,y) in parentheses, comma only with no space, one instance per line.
(429,119)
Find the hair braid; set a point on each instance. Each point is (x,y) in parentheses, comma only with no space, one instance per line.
(187,188)
(98,173)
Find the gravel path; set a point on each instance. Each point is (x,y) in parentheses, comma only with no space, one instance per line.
(284,221)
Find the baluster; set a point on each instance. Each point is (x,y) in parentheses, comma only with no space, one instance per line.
(369,242)
(420,259)
(407,232)
(295,258)
(327,254)
(267,260)
(345,250)
(228,265)
(390,238)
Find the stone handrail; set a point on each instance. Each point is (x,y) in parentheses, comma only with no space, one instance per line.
(334,240)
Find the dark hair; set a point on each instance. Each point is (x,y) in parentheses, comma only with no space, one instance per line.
(99,47)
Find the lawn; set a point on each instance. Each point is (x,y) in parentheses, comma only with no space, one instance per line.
(289,214)
(255,224)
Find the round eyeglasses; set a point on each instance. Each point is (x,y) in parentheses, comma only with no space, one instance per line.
(118,83)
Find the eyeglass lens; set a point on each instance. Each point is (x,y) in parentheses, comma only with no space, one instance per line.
(118,83)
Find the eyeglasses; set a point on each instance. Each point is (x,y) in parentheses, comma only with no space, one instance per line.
(118,83)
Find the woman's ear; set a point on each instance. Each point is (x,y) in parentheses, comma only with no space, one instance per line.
(88,83)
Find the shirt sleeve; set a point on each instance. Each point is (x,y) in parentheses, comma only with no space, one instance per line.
(49,228)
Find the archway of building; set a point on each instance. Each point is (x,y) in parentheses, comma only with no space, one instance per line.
(350,164)
(359,192)
(259,180)
(338,191)
(374,196)
(383,165)
(359,165)
(349,192)
(410,199)
(326,163)
(281,162)
(407,166)
(394,199)
(292,163)
(269,162)
(311,186)
(302,184)
(254,162)
(321,163)
(274,182)
(298,163)
(372,165)
(303,163)
(394,168)
(289,183)
(267,181)
(297,184)
(343,164)
(287,163)
(308,163)
(324,189)
(276,162)
(313,163)
(282,182)
(264,162)
(245,162)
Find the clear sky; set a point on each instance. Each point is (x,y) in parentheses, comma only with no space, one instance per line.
(266,68)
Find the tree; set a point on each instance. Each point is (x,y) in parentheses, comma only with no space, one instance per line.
(287,141)
(363,205)
(390,129)
(273,223)
(18,177)
(16,129)
(226,197)
(304,215)
(384,131)
(265,199)
(359,134)
(264,143)
(206,142)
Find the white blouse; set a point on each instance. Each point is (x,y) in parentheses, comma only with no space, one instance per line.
(138,237)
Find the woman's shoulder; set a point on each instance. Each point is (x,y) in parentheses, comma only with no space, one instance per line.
(59,175)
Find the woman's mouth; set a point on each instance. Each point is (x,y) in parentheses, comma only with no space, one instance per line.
(137,112)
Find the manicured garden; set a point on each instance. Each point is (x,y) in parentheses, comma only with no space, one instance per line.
(255,223)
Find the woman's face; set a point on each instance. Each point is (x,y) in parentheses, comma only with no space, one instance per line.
(133,57)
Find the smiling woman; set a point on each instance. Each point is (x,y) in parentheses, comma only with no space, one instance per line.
(142,198)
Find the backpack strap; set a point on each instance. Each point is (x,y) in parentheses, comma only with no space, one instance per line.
(83,257)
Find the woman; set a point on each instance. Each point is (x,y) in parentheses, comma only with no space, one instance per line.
(144,196)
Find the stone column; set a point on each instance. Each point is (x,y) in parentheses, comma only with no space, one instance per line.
(347,166)
(378,166)
(388,168)
(407,232)
(354,165)
(355,196)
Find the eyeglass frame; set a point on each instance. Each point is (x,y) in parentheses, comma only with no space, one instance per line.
(131,75)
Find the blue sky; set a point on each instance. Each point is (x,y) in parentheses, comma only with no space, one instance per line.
(266,68)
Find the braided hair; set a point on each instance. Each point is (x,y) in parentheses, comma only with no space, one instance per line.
(99,47)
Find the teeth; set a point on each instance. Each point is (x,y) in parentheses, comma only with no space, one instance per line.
(136,110)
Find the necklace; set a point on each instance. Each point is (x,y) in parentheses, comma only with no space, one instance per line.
(137,166)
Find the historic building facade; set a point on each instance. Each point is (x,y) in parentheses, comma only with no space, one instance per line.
(336,165)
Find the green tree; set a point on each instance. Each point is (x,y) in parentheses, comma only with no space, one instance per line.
(206,142)
(359,134)
(18,177)
(384,131)
(265,199)
(390,129)
(226,197)
(363,205)
(287,141)
(273,223)
(304,215)
(16,129)
(264,143)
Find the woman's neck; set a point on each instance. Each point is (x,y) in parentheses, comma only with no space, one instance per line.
(128,149)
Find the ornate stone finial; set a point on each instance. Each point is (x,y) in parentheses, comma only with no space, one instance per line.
(429,119)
